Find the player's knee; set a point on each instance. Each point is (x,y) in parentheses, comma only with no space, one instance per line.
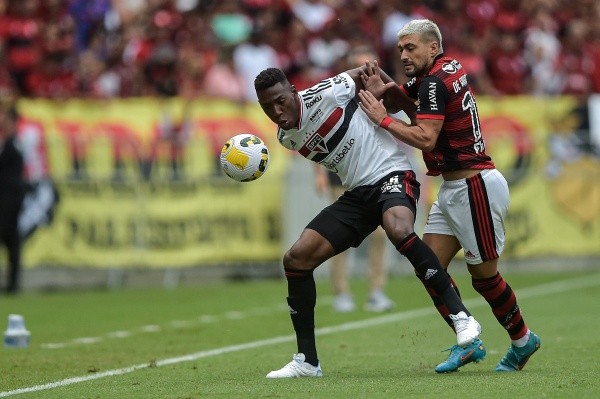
(398,232)
(299,259)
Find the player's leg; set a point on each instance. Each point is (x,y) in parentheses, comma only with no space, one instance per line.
(398,205)
(445,247)
(503,301)
(323,237)
(308,252)
(428,267)
(481,233)
(378,301)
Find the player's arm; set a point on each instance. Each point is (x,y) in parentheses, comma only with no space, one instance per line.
(422,134)
(382,86)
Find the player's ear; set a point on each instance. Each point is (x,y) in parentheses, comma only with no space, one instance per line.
(294,90)
(434,48)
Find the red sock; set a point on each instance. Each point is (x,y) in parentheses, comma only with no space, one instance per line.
(503,302)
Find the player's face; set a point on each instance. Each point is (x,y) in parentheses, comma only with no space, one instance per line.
(280,104)
(417,54)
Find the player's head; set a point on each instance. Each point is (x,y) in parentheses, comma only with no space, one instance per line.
(419,42)
(278,98)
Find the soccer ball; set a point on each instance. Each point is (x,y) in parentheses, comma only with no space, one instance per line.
(244,157)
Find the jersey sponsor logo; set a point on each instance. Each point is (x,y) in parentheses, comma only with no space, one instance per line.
(433,106)
(318,112)
(312,102)
(341,154)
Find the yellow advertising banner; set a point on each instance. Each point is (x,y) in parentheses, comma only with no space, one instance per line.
(542,147)
(140,184)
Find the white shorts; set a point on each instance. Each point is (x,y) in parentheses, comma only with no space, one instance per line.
(473,210)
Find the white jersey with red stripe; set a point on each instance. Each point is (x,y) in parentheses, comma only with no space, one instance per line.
(336,133)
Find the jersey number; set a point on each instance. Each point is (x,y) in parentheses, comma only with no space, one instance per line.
(468,104)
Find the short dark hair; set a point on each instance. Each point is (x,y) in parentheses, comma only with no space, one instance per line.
(269,78)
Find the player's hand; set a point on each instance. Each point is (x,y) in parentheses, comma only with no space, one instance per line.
(371,79)
(374,108)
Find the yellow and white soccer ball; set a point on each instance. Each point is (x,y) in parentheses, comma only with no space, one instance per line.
(245,157)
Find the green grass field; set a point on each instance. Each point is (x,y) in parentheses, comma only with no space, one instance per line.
(219,340)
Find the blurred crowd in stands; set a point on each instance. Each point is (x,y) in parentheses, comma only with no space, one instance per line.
(192,48)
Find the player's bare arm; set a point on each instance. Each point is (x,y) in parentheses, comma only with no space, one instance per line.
(379,83)
(423,135)
(372,78)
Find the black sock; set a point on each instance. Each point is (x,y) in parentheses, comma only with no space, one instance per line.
(302,297)
(427,266)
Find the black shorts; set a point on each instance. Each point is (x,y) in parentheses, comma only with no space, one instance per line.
(357,213)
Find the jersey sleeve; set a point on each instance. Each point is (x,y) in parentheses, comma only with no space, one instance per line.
(344,88)
(411,88)
(433,97)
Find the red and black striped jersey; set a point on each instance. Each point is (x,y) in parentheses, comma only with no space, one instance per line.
(444,94)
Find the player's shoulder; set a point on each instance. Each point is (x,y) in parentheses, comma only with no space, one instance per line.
(340,79)
(446,67)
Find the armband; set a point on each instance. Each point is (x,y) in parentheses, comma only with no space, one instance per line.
(385,122)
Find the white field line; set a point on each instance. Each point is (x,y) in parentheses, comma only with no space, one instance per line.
(175,324)
(531,292)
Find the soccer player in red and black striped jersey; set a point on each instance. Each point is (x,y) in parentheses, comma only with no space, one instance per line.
(473,200)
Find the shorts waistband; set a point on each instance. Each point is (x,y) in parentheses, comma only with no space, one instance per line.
(462,182)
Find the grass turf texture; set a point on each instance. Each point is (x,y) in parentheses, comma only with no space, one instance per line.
(392,359)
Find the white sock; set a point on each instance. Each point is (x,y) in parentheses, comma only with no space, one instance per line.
(521,342)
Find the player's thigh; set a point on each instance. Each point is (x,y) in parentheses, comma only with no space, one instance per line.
(475,210)
(343,224)
(439,235)
(444,246)
(309,251)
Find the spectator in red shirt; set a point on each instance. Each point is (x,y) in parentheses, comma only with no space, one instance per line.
(506,64)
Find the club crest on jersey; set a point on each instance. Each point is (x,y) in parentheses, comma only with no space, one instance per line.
(317,144)
(451,67)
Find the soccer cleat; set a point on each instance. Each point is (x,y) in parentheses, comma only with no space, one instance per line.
(466,327)
(343,303)
(297,368)
(379,302)
(459,356)
(515,358)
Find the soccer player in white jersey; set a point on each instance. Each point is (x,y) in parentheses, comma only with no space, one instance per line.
(325,124)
